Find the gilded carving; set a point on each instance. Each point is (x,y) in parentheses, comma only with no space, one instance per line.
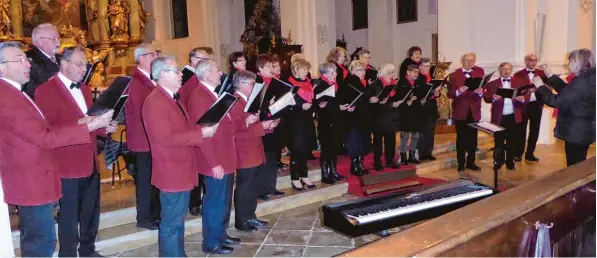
(5,24)
(119,20)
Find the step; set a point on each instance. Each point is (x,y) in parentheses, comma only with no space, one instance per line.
(448,160)
(117,237)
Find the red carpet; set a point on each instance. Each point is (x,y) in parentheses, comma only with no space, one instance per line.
(354,186)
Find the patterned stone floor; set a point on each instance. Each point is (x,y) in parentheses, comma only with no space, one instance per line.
(292,233)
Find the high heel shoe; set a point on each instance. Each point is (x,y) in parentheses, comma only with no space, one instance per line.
(296,188)
(310,186)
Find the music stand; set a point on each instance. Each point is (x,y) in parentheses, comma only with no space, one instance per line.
(498,153)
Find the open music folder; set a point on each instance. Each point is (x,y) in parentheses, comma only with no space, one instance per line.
(254,101)
(218,110)
(187,73)
(354,95)
(385,92)
(476,83)
(327,94)
(509,93)
(487,127)
(89,73)
(279,106)
(112,98)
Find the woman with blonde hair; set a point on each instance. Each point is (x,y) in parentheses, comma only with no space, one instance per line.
(301,126)
(339,57)
(575,124)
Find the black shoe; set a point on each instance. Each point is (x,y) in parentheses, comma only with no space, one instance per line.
(277,193)
(154,225)
(282,165)
(355,168)
(246,227)
(257,223)
(412,159)
(263,197)
(393,164)
(473,167)
(403,158)
(378,166)
(196,211)
(334,171)
(231,241)
(517,159)
(460,168)
(431,157)
(296,188)
(219,250)
(511,166)
(310,186)
(326,177)
(531,158)
(362,165)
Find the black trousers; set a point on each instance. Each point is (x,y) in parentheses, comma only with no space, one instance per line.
(426,138)
(148,196)
(575,153)
(268,176)
(298,164)
(78,222)
(331,142)
(466,141)
(532,119)
(508,140)
(389,143)
(245,193)
(357,142)
(195,199)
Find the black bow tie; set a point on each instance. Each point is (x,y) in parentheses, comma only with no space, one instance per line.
(506,80)
(529,71)
(75,85)
(176,96)
(467,73)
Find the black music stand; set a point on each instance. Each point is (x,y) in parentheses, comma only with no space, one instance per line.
(498,153)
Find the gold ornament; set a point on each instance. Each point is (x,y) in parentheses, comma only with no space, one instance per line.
(119,20)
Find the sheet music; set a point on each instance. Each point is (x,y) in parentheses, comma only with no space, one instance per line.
(254,93)
(355,100)
(283,82)
(284,101)
(407,95)
(490,127)
(330,91)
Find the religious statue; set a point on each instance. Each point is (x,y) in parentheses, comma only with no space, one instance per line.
(102,20)
(98,80)
(5,18)
(142,18)
(119,19)
(92,20)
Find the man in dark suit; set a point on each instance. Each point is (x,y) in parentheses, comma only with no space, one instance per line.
(43,54)
(532,111)
(466,108)
(26,134)
(173,138)
(63,99)
(148,202)
(216,160)
(506,112)
(249,152)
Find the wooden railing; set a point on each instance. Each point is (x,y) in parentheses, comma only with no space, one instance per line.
(504,224)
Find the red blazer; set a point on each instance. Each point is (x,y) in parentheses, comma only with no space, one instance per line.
(220,149)
(523,76)
(497,107)
(173,139)
(60,108)
(467,101)
(27,169)
(249,146)
(138,90)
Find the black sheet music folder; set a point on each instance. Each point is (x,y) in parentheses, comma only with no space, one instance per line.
(112,98)
(218,110)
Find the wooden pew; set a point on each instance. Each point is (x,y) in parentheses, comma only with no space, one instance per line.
(504,224)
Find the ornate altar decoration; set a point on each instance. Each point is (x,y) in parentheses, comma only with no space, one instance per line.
(263,35)
(444,104)
(109,29)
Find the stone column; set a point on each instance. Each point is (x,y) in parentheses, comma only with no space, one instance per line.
(16,18)
(313,25)
(134,22)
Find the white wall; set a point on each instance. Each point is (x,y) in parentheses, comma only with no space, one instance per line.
(416,33)
(231,16)
(354,38)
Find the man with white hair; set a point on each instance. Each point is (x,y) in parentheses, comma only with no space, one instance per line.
(44,56)
(217,157)
(25,134)
(148,202)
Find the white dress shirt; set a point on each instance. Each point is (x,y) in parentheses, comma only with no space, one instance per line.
(243,96)
(466,76)
(211,89)
(508,106)
(531,77)
(20,87)
(146,75)
(76,93)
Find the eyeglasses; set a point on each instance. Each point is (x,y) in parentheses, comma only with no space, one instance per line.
(80,65)
(151,53)
(533,60)
(52,39)
(177,70)
(201,58)
(21,60)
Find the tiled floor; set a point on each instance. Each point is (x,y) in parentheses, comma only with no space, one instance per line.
(295,233)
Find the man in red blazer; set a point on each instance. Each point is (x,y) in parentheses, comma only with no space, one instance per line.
(466,108)
(532,110)
(216,159)
(506,112)
(249,152)
(148,202)
(197,54)
(64,100)
(173,137)
(27,136)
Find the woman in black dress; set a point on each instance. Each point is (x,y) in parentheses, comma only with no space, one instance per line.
(301,126)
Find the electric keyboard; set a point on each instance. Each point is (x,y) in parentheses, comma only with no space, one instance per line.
(369,215)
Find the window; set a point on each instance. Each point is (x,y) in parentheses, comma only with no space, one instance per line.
(180,20)
(360,19)
(406,11)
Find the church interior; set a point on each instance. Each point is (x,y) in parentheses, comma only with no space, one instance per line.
(527,202)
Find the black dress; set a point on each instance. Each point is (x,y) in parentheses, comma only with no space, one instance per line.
(411,117)
(329,122)
(302,133)
(358,123)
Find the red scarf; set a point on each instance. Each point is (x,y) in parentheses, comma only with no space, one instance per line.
(330,83)
(267,80)
(569,79)
(344,71)
(305,88)
(364,82)
(384,84)
(277,76)
(427,77)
